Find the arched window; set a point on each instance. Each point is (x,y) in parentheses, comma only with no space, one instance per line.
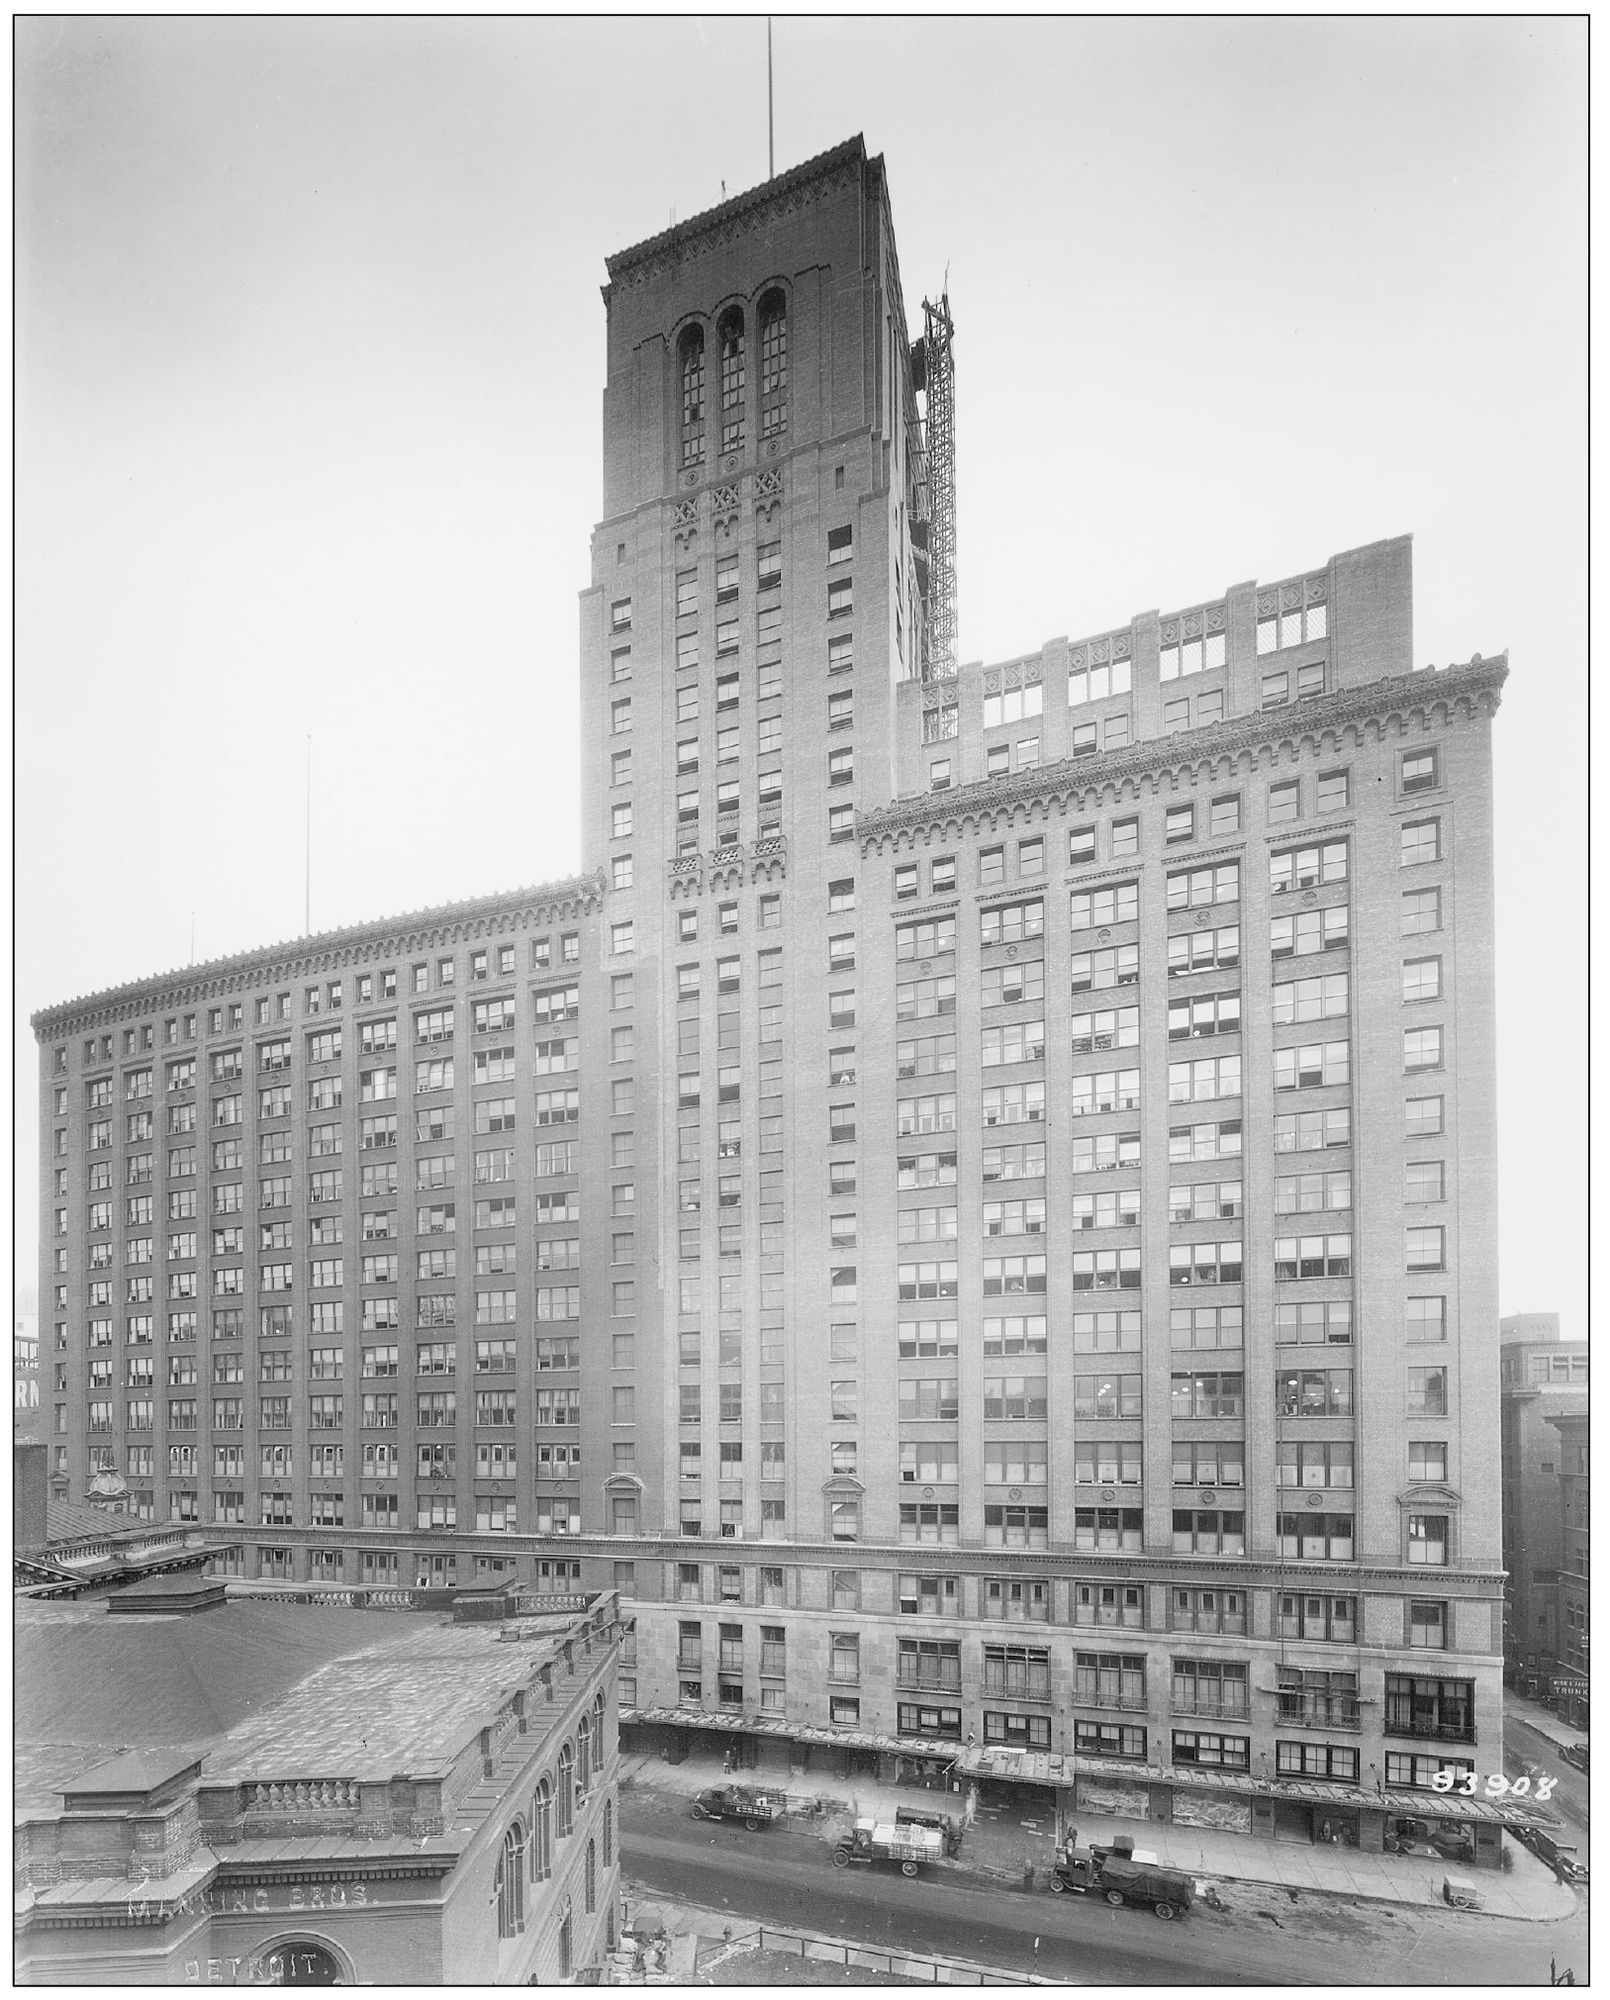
(566,1789)
(592,1878)
(511,1883)
(773,365)
(732,380)
(299,1962)
(609,1833)
(584,1756)
(693,396)
(600,1742)
(542,1832)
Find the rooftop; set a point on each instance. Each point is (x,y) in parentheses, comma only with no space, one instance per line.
(751,200)
(269,1690)
(266,960)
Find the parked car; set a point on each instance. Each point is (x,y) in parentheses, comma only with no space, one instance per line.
(751,1809)
(1577,1754)
(1441,1840)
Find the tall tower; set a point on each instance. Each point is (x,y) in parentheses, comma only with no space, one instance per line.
(753,607)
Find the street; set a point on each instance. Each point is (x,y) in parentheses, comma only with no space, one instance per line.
(1526,1750)
(786,1877)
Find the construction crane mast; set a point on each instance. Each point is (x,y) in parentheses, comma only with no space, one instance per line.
(934,374)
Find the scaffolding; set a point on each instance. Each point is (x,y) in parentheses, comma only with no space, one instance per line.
(935,376)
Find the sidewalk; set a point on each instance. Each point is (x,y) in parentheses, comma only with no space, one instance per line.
(1008,1847)
(1541,1720)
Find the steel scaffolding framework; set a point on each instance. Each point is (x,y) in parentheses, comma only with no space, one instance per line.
(939,438)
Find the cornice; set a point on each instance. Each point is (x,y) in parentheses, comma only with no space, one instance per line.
(414,930)
(1170,759)
(1060,1559)
(742,214)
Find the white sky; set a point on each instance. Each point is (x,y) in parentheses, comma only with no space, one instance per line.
(309,353)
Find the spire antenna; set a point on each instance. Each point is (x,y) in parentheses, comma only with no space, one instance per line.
(307,843)
(771,150)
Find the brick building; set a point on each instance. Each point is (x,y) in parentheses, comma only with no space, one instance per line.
(1005,1149)
(319,1796)
(1540,1376)
(1571,1614)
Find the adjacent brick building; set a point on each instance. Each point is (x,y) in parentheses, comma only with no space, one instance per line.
(1010,1149)
(1571,1617)
(320,1796)
(1540,1376)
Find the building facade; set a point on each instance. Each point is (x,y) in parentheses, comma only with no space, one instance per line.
(1570,1686)
(1007,1150)
(1540,1376)
(25,1421)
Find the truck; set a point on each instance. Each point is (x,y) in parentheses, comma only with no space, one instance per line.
(949,1830)
(907,1848)
(752,1809)
(1124,1878)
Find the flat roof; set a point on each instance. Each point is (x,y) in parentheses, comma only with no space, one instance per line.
(259,1690)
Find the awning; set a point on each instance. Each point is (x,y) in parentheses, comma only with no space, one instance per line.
(1320,1791)
(792,1732)
(1054,1769)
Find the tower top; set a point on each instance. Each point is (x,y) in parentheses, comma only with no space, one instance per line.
(748,210)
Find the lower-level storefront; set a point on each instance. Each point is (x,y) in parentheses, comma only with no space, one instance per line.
(779,1749)
(1073,1791)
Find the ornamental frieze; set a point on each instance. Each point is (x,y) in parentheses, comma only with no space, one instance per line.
(554,902)
(1435,697)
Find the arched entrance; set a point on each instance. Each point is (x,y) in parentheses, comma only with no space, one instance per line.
(299,1962)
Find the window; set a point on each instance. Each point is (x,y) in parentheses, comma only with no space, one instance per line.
(1207,1014)
(1335,792)
(1207,1395)
(1012,706)
(1428,1546)
(1428,1392)
(1422,979)
(1284,619)
(1285,801)
(1428,1460)
(841,767)
(692,373)
(1428,1624)
(1422,1049)
(1208,1531)
(1417,771)
(1314,1392)
(1418,841)
(1425,1319)
(1092,676)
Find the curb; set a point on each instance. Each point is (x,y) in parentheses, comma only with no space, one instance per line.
(1257,1885)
